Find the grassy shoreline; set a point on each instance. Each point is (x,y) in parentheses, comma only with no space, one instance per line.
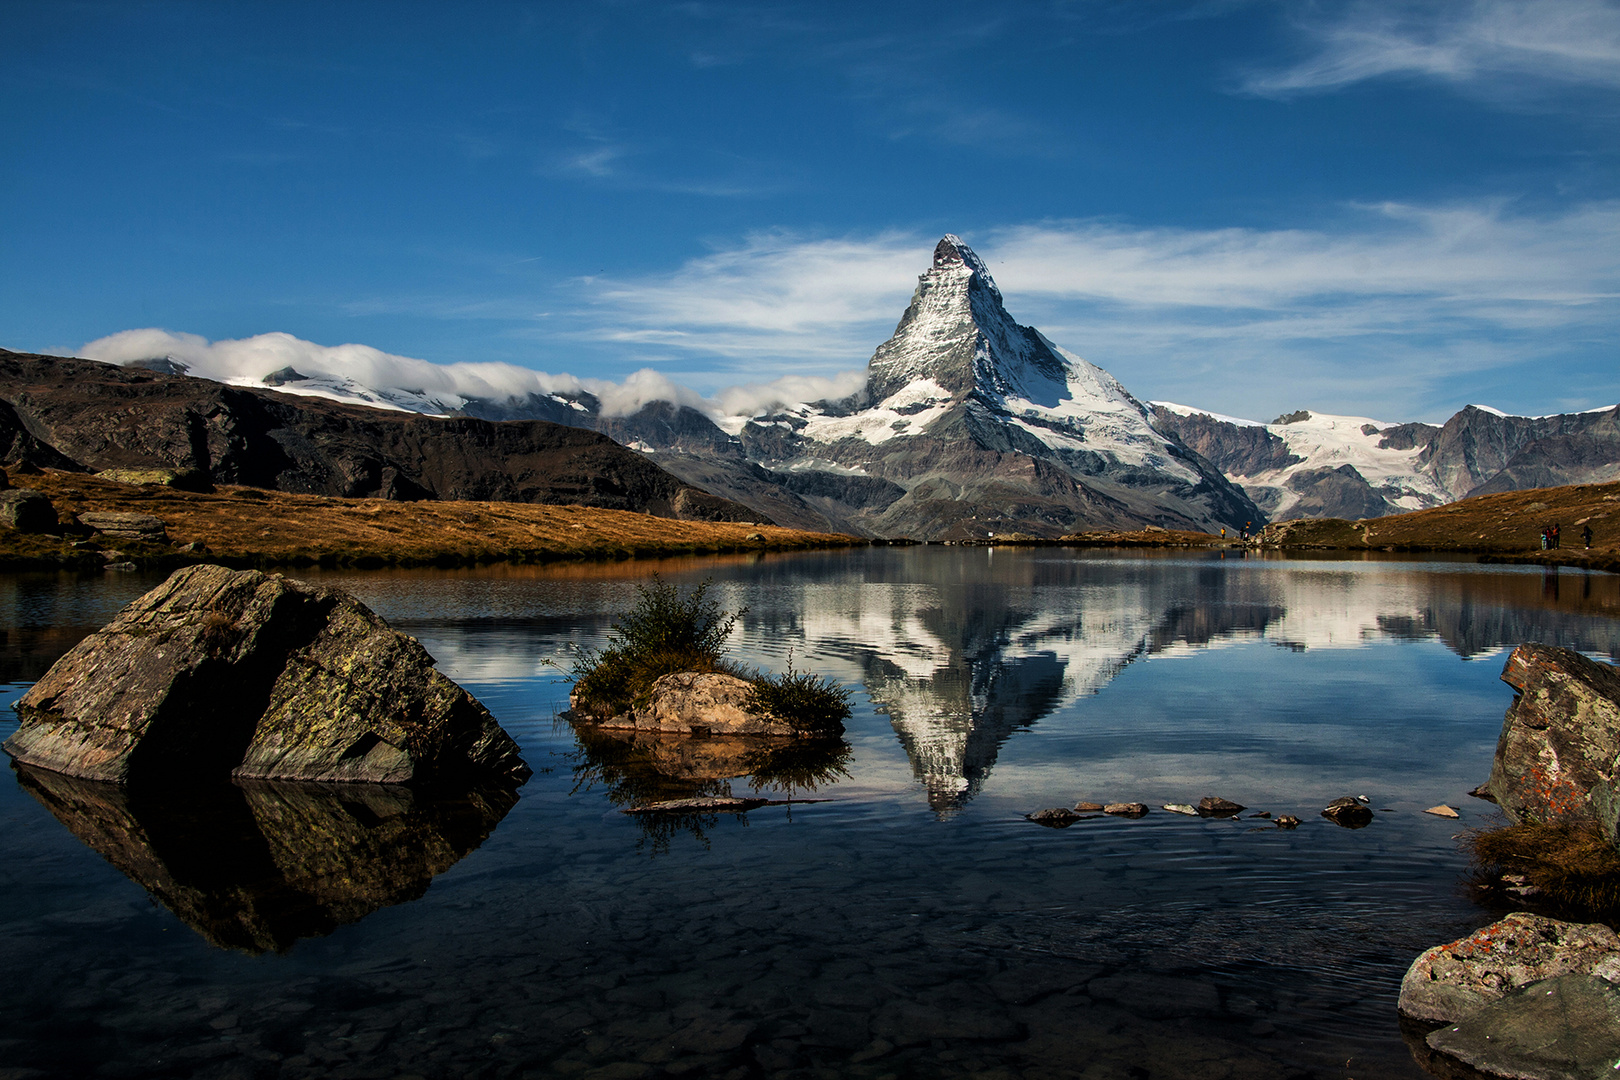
(253,528)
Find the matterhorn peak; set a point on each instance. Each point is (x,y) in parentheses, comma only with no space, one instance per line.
(950,252)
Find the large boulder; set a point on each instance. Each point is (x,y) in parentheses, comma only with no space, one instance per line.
(1556,760)
(26,510)
(219,673)
(1455,980)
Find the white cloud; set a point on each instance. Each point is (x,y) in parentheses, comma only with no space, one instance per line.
(247,361)
(1401,312)
(1569,42)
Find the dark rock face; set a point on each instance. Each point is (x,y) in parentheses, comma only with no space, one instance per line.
(218,673)
(1235,449)
(1336,493)
(82,415)
(26,511)
(1556,760)
(1479,452)
(256,866)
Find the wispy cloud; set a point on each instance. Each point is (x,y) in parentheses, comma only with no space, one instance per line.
(1478,42)
(1384,314)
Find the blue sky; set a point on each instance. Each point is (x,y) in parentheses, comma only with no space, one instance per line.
(1384,209)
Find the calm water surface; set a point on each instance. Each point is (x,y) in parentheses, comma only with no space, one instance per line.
(892,915)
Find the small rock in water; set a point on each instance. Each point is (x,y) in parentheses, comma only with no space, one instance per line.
(1363,798)
(1215,806)
(1287,821)
(1261,813)
(1348,812)
(1057,817)
(1443,811)
(1480,793)
(1083,807)
(1181,808)
(1126,809)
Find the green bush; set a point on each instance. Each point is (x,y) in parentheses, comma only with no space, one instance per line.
(665,633)
(814,706)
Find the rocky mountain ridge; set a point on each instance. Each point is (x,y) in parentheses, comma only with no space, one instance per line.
(1309,465)
(80,415)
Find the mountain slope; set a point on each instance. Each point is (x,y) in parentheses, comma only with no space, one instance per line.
(81,415)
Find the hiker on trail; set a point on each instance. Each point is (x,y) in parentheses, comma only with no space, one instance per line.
(1586,537)
(1555,534)
(1546,538)
(1223,532)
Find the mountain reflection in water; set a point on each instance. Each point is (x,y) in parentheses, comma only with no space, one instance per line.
(259,865)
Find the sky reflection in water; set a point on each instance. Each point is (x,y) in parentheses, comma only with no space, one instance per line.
(991,684)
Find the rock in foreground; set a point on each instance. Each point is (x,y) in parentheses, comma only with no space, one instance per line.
(1556,758)
(1566,1028)
(219,673)
(1455,980)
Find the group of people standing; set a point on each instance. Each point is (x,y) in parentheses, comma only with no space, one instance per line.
(1549,537)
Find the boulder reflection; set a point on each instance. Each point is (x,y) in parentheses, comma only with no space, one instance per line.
(258,865)
(634,768)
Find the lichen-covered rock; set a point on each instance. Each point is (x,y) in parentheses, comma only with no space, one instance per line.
(218,673)
(700,703)
(1556,759)
(1347,811)
(26,510)
(1452,981)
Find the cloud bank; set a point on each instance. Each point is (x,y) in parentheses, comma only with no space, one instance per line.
(421,385)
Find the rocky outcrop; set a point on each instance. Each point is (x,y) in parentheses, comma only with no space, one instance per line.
(81,415)
(1559,752)
(700,703)
(124,526)
(26,511)
(1452,981)
(219,673)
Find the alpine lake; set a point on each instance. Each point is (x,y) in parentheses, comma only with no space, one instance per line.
(891,912)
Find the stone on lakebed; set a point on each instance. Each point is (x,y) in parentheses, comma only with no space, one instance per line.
(219,673)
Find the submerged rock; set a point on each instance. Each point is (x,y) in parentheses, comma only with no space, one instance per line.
(700,804)
(219,673)
(1556,758)
(1566,1028)
(1058,817)
(1452,981)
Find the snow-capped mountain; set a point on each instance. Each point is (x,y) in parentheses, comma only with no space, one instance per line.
(1309,464)
(968,425)
(972,425)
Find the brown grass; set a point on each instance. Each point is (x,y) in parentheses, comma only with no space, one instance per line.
(1506,527)
(253,527)
(1574,868)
